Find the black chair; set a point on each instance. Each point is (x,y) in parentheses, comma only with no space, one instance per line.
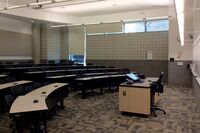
(156,87)
(19,122)
(37,85)
(9,99)
(10,79)
(18,91)
(29,89)
(1,81)
(46,83)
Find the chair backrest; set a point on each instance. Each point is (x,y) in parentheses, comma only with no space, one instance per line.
(37,85)
(28,89)
(160,78)
(10,79)
(1,81)
(46,83)
(18,91)
(9,100)
(158,86)
(160,83)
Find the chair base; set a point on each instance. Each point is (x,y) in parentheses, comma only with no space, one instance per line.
(154,109)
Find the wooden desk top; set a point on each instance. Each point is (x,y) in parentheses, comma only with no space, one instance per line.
(46,90)
(26,103)
(146,84)
(11,84)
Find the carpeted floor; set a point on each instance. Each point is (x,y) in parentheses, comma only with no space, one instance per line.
(100,114)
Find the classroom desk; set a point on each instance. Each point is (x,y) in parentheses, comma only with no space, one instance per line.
(20,70)
(39,101)
(103,70)
(5,90)
(92,74)
(86,83)
(40,75)
(49,67)
(62,78)
(3,76)
(136,97)
(25,103)
(12,84)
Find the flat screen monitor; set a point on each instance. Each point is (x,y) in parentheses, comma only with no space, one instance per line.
(133,77)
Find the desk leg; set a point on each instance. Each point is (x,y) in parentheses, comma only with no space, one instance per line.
(45,121)
(101,90)
(62,104)
(83,93)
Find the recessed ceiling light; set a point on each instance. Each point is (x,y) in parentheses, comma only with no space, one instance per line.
(32,21)
(57,26)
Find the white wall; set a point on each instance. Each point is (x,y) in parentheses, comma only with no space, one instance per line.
(15,39)
(76,40)
(61,18)
(104,28)
(42,15)
(117,17)
(14,25)
(196,47)
(175,48)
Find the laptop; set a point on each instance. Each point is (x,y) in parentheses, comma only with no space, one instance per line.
(134,78)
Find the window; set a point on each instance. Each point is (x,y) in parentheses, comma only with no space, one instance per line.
(147,26)
(157,25)
(76,58)
(134,27)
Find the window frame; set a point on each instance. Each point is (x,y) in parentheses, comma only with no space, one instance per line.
(152,21)
(145,25)
(134,22)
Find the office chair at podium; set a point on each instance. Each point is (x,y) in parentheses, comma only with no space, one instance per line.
(156,87)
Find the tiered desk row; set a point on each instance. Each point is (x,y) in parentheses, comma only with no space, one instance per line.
(56,80)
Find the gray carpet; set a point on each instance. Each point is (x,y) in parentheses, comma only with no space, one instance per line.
(100,114)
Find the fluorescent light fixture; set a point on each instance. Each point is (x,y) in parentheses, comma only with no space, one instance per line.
(15,7)
(57,26)
(71,25)
(41,3)
(2,9)
(62,0)
(179,4)
(64,3)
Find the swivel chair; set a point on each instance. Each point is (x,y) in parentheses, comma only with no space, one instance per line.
(28,88)
(156,87)
(18,91)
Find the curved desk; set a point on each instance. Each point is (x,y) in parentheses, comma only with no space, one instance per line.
(12,84)
(26,103)
(36,103)
(5,90)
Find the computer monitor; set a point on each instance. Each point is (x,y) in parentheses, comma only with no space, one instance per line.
(133,77)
